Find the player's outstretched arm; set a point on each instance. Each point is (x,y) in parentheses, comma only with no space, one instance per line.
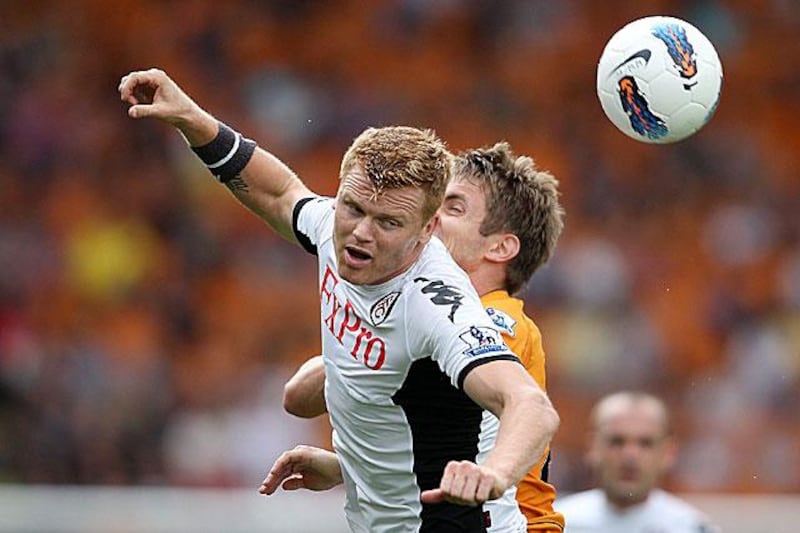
(528,419)
(259,180)
(304,467)
(304,393)
(528,422)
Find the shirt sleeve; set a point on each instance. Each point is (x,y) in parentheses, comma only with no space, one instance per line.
(309,216)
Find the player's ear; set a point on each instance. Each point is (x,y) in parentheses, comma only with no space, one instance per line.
(430,227)
(504,248)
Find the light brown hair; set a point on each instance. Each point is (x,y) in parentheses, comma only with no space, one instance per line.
(520,199)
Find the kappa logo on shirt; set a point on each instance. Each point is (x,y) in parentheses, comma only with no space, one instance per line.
(481,340)
(380,310)
(442,294)
(502,320)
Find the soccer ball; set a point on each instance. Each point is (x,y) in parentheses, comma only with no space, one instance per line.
(659,79)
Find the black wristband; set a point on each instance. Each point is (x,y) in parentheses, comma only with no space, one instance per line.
(227,155)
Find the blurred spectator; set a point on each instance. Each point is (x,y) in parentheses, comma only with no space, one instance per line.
(632,446)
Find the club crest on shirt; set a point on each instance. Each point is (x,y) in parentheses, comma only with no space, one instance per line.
(380,310)
(502,320)
(481,340)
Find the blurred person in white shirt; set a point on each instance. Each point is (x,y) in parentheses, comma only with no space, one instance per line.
(631,449)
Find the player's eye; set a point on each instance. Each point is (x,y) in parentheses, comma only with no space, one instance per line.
(616,441)
(390,223)
(454,208)
(647,443)
(354,209)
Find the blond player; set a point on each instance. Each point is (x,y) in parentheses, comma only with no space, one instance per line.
(500,220)
(397,316)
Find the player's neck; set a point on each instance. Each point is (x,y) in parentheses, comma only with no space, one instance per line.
(625,504)
(488,278)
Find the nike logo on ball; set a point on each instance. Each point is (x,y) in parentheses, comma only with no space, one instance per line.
(641,54)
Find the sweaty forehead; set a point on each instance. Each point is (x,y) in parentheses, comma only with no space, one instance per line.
(357,188)
(464,188)
(355,181)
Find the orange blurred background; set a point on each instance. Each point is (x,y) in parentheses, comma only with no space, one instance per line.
(148,322)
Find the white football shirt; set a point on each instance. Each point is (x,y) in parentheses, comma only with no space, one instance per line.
(591,512)
(396,355)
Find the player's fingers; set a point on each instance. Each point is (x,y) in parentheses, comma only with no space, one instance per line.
(484,489)
(270,483)
(132,86)
(280,470)
(294,482)
(459,475)
(148,110)
(264,489)
(447,479)
(459,482)
(124,92)
(432,496)
(469,486)
(141,110)
(124,86)
(128,83)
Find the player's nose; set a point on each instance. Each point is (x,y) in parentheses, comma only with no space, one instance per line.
(363,230)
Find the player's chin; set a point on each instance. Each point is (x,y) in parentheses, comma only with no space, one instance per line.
(356,275)
(630,490)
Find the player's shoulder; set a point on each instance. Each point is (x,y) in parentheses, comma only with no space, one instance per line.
(508,314)
(436,282)
(505,311)
(312,218)
(682,511)
(581,506)
(585,497)
(665,499)
(436,259)
(313,207)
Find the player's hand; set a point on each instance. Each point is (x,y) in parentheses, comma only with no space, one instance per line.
(465,483)
(304,467)
(151,93)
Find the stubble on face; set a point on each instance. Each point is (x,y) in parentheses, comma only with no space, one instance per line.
(630,456)
(378,233)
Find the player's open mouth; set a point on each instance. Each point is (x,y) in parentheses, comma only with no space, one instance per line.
(630,476)
(356,256)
